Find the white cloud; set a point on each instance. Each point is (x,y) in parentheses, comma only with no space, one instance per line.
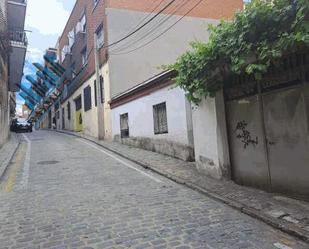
(34,54)
(48,16)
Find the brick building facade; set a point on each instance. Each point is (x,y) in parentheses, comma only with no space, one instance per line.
(94,16)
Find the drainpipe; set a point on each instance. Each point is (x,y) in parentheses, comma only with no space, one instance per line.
(100,110)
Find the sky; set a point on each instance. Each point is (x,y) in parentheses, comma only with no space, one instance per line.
(45,20)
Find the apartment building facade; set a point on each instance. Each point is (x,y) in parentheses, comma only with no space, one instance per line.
(13,45)
(140,104)
(76,51)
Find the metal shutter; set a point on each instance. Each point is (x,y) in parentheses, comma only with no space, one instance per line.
(87,98)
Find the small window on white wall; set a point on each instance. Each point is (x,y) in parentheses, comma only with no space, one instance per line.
(124,125)
(160,119)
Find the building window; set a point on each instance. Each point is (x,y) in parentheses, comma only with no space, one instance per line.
(95,2)
(84,56)
(102,88)
(87,98)
(63,54)
(100,36)
(71,38)
(83,24)
(160,118)
(73,68)
(95,93)
(124,125)
(78,103)
(69,110)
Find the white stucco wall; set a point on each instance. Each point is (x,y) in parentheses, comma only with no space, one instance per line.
(140,113)
(204,130)
(128,70)
(107,96)
(210,137)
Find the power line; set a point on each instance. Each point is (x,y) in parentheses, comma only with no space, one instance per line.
(144,19)
(164,32)
(142,26)
(164,20)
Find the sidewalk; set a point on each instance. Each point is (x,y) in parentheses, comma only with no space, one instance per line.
(286,214)
(7,151)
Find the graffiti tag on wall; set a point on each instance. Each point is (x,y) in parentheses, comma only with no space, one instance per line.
(244,135)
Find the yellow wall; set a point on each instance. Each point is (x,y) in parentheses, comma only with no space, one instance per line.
(78,121)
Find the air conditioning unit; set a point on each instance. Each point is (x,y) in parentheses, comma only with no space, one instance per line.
(80,28)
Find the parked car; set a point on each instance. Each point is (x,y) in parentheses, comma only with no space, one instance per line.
(18,125)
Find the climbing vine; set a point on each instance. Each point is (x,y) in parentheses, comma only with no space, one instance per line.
(259,35)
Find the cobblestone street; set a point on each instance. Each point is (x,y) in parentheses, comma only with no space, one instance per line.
(64,192)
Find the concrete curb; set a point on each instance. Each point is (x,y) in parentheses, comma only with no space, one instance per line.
(4,165)
(284,226)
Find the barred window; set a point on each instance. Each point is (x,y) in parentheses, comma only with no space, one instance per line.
(102,89)
(124,125)
(160,119)
(69,110)
(78,103)
(95,93)
(87,98)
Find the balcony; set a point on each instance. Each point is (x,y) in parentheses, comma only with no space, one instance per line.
(18,38)
(16,14)
(18,41)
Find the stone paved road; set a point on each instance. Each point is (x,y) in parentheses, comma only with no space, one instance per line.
(63,192)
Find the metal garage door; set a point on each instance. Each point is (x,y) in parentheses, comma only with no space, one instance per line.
(247,147)
(287,134)
(268,129)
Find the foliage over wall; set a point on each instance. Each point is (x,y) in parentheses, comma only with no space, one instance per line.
(258,36)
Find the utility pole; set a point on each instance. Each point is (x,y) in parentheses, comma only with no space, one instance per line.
(100,106)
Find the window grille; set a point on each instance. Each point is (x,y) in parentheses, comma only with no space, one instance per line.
(87,98)
(95,93)
(78,103)
(160,119)
(124,125)
(102,89)
(69,110)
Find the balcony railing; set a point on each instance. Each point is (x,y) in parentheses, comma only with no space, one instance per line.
(18,38)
